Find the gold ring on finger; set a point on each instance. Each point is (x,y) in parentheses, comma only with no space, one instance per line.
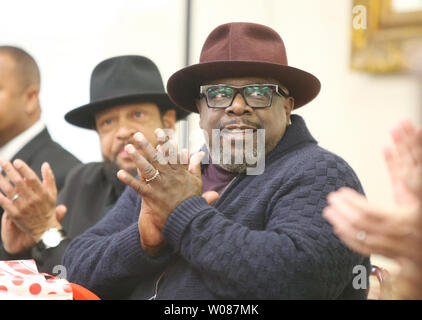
(154,177)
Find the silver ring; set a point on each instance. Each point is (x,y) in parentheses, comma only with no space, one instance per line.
(15,197)
(361,235)
(156,174)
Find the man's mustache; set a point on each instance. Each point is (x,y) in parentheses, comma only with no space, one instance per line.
(120,147)
(240,122)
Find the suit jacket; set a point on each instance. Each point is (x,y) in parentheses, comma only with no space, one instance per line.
(40,149)
(90,191)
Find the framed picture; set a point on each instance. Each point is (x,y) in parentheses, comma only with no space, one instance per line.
(384,33)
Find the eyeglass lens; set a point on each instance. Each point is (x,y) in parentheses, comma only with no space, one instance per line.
(255,96)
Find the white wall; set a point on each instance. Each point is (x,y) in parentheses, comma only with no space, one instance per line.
(68,38)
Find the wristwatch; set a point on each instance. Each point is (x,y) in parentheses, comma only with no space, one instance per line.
(51,239)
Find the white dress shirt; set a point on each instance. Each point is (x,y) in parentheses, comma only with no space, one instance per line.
(10,149)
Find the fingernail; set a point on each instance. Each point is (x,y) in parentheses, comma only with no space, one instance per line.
(161,136)
(121,174)
(129,148)
(17,163)
(138,136)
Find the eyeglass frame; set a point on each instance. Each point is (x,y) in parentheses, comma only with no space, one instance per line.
(275,88)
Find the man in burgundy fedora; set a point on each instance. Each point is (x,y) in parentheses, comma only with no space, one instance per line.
(264,237)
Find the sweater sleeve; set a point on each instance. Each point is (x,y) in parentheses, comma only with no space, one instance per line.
(108,258)
(296,256)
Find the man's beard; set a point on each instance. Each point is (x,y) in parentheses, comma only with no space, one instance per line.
(115,154)
(113,163)
(234,167)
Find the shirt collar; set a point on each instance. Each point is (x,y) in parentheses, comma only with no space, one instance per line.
(17,143)
(296,134)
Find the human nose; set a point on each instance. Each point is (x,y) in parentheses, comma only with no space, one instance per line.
(125,130)
(238,106)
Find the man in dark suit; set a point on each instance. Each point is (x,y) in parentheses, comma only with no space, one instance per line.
(22,133)
(127,96)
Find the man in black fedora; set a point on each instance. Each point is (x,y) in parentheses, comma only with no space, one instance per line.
(265,237)
(126,96)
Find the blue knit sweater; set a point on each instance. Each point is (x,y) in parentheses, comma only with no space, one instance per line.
(264,238)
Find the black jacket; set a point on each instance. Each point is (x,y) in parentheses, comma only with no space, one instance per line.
(89,192)
(42,148)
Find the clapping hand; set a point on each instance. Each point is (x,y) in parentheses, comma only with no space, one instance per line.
(162,184)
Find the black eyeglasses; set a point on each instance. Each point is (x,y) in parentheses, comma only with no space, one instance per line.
(255,95)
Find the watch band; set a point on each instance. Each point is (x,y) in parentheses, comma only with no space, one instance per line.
(51,238)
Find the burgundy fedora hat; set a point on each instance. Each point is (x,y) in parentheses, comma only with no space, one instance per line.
(241,49)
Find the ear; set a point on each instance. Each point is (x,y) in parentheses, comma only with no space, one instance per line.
(169,119)
(198,107)
(289,106)
(32,104)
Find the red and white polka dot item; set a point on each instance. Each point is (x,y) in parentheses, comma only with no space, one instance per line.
(20,280)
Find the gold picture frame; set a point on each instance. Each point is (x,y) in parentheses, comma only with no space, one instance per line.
(381,36)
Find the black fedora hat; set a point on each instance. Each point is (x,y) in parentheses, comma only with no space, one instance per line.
(122,80)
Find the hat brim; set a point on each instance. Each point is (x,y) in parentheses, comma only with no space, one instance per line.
(183,86)
(84,116)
